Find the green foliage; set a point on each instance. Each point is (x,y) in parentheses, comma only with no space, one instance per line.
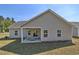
(5,23)
(1,23)
(13,21)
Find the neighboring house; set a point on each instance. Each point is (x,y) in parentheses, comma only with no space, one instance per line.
(15,29)
(76,29)
(47,26)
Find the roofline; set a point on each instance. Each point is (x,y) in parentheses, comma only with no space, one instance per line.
(49,10)
(60,17)
(14,27)
(74,25)
(33,18)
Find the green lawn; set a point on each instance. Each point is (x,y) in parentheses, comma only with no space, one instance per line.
(15,47)
(12,47)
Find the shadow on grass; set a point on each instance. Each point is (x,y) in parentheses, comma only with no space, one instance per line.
(5,38)
(33,48)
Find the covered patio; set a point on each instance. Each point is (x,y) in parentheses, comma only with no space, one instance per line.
(29,35)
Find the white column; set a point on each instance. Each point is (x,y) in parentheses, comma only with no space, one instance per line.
(41,34)
(21,35)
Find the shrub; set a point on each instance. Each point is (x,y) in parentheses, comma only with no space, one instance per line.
(6,37)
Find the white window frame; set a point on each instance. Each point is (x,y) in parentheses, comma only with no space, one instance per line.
(16,33)
(59,33)
(45,33)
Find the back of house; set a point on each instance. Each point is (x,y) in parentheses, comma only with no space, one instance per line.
(75,29)
(47,26)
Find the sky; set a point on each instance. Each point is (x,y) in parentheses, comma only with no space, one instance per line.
(22,12)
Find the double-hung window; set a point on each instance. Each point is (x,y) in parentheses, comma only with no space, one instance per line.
(45,33)
(58,33)
(16,33)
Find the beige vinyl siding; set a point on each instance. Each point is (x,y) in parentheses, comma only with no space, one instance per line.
(52,23)
(12,33)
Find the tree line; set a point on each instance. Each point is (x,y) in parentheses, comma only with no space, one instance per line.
(5,23)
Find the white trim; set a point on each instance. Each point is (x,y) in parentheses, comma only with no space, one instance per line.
(41,34)
(21,35)
(71,33)
(69,23)
(22,41)
(31,27)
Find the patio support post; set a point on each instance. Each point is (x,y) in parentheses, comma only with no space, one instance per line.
(41,34)
(21,35)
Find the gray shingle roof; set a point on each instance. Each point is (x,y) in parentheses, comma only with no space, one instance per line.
(17,24)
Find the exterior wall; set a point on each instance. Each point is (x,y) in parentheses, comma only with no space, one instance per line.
(75,32)
(12,33)
(78,31)
(50,22)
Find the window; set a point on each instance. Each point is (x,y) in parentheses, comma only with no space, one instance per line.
(45,33)
(16,32)
(35,34)
(58,33)
(29,32)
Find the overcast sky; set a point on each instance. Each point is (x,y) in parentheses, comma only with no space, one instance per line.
(26,11)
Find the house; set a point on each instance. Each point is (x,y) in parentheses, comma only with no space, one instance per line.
(75,29)
(47,26)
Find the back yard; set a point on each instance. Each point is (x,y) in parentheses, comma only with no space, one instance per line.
(12,47)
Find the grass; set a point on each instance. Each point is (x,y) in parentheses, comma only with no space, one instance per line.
(14,47)
(2,35)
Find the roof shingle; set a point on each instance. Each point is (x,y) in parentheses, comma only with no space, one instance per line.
(17,24)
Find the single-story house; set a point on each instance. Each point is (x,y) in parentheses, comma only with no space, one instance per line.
(76,29)
(47,26)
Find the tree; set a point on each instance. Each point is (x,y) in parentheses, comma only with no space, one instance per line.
(1,24)
(13,20)
(5,23)
(8,21)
